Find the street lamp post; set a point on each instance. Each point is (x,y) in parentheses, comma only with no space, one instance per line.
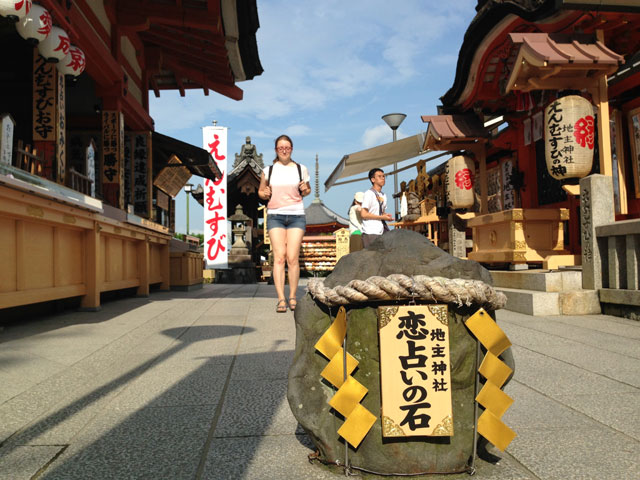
(394,120)
(188,188)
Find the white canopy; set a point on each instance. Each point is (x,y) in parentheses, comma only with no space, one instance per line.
(376,157)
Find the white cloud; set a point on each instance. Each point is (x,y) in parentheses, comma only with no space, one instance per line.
(297,130)
(318,54)
(448,59)
(379,135)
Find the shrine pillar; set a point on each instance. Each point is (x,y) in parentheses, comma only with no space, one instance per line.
(49,121)
(92,269)
(113,169)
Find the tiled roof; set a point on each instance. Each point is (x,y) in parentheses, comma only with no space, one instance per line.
(318,214)
(560,50)
(553,61)
(451,129)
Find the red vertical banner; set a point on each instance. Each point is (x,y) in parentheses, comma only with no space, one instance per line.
(112,158)
(215,201)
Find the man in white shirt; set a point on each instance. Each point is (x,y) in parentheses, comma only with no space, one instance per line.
(374,205)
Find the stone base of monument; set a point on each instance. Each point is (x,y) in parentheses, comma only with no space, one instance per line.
(241,270)
(408,253)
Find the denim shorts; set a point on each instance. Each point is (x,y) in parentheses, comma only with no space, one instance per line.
(276,220)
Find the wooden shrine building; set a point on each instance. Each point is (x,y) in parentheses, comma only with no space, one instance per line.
(86,184)
(517,58)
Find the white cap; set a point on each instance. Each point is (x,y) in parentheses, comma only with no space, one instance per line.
(358,197)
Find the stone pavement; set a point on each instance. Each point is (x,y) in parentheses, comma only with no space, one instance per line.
(192,385)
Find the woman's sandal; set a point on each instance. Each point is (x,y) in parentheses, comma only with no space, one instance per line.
(281,306)
(293,303)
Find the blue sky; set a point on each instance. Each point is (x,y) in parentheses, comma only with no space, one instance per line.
(331,70)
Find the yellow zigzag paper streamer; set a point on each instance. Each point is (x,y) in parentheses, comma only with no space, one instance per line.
(494,400)
(346,401)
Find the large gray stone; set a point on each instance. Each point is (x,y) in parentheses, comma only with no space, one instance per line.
(404,252)
(407,252)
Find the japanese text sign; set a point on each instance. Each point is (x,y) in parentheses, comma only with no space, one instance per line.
(61,130)
(45,91)
(7,126)
(113,157)
(415,371)
(215,200)
(141,155)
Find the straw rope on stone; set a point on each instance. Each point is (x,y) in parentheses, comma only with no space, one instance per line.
(419,287)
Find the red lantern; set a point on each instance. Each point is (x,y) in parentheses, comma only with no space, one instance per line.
(74,63)
(569,137)
(460,179)
(36,26)
(56,46)
(15,9)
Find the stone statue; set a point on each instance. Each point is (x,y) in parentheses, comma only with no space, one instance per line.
(248,152)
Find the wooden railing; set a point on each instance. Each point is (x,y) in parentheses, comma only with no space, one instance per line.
(79,182)
(28,159)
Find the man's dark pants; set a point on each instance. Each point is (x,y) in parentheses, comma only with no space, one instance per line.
(368,239)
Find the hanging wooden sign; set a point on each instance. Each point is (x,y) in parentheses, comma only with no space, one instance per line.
(171,179)
(569,137)
(415,371)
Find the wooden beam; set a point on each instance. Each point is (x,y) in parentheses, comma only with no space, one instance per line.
(204,57)
(195,40)
(135,22)
(622,174)
(604,131)
(91,299)
(481,155)
(104,71)
(131,12)
(180,85)
(154,86)
(205,80)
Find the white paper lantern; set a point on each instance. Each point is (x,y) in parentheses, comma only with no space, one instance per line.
(460,178)
(74,63)
(35,27)
(56,46)
(569,137)
(15,9)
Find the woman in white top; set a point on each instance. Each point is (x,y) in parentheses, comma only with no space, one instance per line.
(355,223)
(288,183)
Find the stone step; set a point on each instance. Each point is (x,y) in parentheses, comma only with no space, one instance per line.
(537,303)
(541,281)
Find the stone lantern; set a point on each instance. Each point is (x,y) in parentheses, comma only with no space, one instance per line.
(239,222)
